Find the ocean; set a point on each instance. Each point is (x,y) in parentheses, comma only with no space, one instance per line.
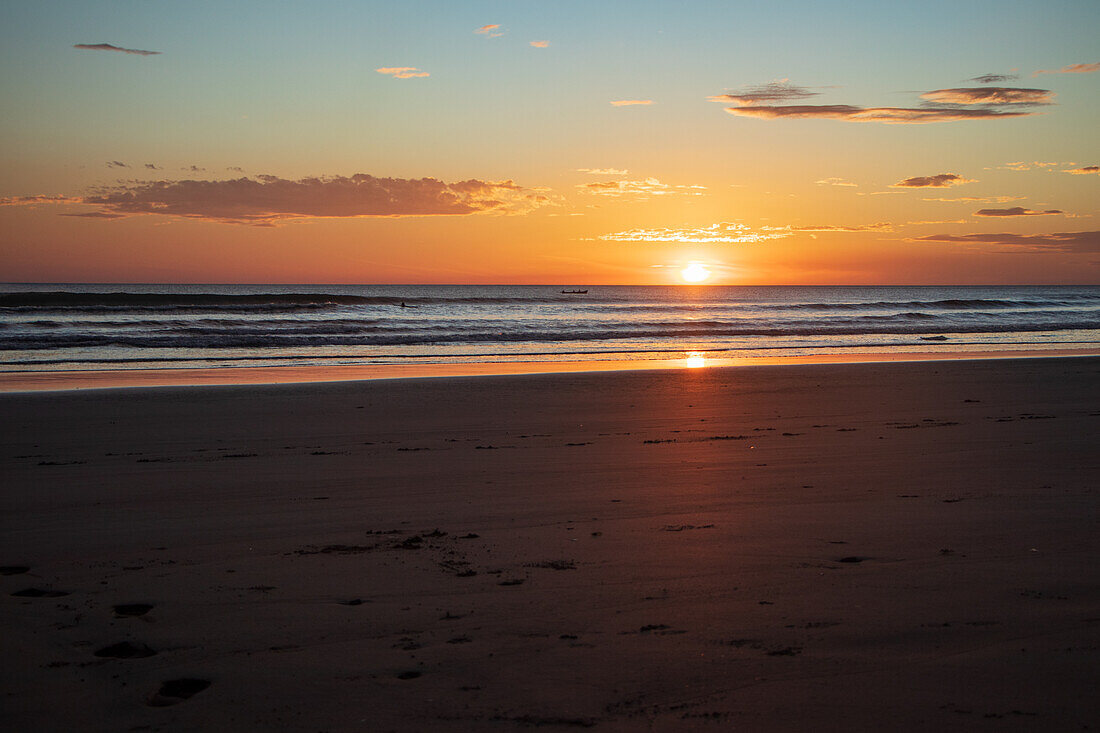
(54,327)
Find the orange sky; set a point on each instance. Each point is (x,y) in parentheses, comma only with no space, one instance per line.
(491,143)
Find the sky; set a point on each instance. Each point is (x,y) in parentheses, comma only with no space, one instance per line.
(783,142)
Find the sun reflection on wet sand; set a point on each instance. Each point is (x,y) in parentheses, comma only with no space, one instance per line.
(696,360)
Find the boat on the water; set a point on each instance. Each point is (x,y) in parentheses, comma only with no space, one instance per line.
(575,292)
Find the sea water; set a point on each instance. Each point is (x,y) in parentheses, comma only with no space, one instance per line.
(82,327)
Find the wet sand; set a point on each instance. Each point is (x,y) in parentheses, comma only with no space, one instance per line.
(904,547)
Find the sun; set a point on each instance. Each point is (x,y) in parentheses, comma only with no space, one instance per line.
(695,273)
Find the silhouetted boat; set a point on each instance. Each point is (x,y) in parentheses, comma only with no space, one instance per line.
(575,292)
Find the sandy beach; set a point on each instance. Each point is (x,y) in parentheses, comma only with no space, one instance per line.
(884,546)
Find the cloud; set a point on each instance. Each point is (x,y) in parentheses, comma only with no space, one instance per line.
(235,169)
(109,47)
(1084,171)
(490,31)
(540,44)
(603,171)
(971,103)
(151,167)
(835,182)
(630,102)
(269,199)
(644,189)
(116,164)
(1071,69)
(402,72)
(97,215)
(942,180)
(1015,211)
(886,115)
(38,199)
(880,227)
(994,78)
(722,233)
(979,199)
(993,96)
(773,91)
(1071,242)
(1021,165)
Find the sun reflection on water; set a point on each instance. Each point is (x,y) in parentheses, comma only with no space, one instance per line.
(696,360)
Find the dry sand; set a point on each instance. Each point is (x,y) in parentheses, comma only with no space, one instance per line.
(902,547)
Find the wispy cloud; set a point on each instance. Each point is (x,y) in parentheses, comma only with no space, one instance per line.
(268,200)
(979,199)
(630,102)
(941,180)
(603,171)
(990,96)
(722,233)
(109,47)
(994,78)
(152,167)
(1071,242)
(886,115)
(38,199)
(835,182)
(1087,170)
(402,72)
(733,233)
(116,164)
(972,103)
(541,44)
(1015,211)
(879,227)
(1071,69)
(1023,165)
(773,91)
(642,189)
(491,31)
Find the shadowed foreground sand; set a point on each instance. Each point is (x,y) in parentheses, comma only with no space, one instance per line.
(905,547)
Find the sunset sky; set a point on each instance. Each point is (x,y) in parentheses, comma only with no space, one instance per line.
(804,142)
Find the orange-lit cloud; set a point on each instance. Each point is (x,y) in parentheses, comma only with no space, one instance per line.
(402,72)
(835,182)
(1015,211)
(109,47)
(116,164)
(268,199)
(491,30)
(980,199)
(775,91)
(995,96)
(1088,169)
(942,180)
(630,102)
(540,44)
(644,189)
(603,171)
(723,233)
(1021,165)
(1071,69)
(887,115)
(1073,242)
(38,199)
(880,227)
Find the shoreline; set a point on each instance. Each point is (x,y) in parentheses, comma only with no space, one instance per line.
(59,381)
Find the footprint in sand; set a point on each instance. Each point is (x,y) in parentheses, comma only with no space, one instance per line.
(39,593)
(176,691)
(125,610)
(13,569)
(126,650)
